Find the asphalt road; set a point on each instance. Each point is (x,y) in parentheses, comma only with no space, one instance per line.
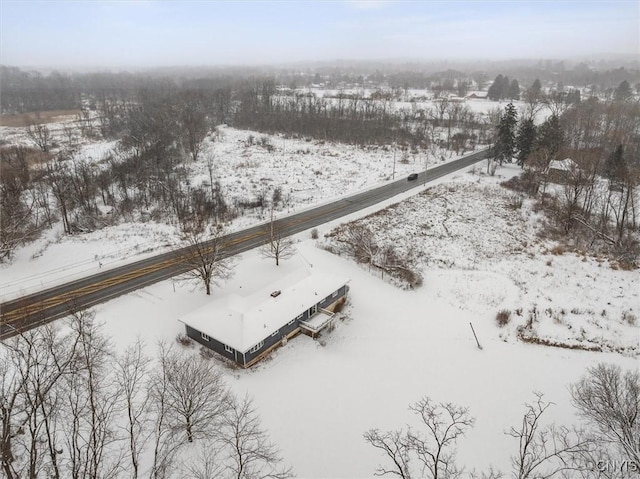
(39,308)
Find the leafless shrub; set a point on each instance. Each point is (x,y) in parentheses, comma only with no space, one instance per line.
(184,340)
(516,202)
(314,233)
(339,305)
(629,317)
(527,182)
(206,353)
(503,317)
(266,144)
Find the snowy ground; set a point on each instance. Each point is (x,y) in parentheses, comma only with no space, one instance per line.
(308,173)
(392,346)
(316,398)
(484,253)
(478,255)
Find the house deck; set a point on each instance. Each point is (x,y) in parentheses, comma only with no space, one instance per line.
(317,322)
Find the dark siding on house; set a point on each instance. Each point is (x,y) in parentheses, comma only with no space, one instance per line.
(271,340)
(212,344)
(331,299)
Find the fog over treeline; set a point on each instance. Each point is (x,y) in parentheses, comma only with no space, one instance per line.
(25,89)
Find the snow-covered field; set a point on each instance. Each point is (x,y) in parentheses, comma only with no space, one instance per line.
(393,346)
(317,398)
(485,254)
(307,172)
(478,253)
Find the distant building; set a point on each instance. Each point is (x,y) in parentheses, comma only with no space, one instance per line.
(477,96)
(559,171)
(245,329)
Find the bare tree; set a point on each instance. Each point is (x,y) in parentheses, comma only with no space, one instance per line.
(251,454)
(279,245)
(207,463)
(445,423)
(193,122)
(196,396)
(203,255)
(395,446)
(544,451)
(610,401)
(92,405)
(131,371)
(433,446)
(165,441)
(32,366)
(360,242)
(10,392)
(40,134)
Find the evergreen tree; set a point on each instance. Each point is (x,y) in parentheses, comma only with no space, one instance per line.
(573,96)
(495,90)
(536,89)
(615,168)
(525,140)
(514,90)
(551,135)
(505,141)
(623,92)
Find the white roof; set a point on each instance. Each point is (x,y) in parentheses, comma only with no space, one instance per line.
(562,165)
(243,321)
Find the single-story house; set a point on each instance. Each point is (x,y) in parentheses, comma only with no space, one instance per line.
(244,329)
(559,171)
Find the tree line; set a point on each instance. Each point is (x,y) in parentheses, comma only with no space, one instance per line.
(71,406)
(160,129)
(597,201)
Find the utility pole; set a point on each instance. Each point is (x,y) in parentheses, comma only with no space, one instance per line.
(474,335)
(426,165)
(393,174)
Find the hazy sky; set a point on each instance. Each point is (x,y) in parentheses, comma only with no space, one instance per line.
(161,33)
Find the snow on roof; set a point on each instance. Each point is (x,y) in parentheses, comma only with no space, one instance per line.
(243,321)
(563,165)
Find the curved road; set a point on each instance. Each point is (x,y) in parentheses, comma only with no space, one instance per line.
(30,311)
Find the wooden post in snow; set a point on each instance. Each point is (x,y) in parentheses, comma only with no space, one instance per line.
(474,335)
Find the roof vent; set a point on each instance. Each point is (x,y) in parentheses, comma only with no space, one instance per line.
(276,293)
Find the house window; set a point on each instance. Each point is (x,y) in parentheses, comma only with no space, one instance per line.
(204,336)
(334,294)
(256,347)
(228,349)
(300,316)
(275,333)
(293,321)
